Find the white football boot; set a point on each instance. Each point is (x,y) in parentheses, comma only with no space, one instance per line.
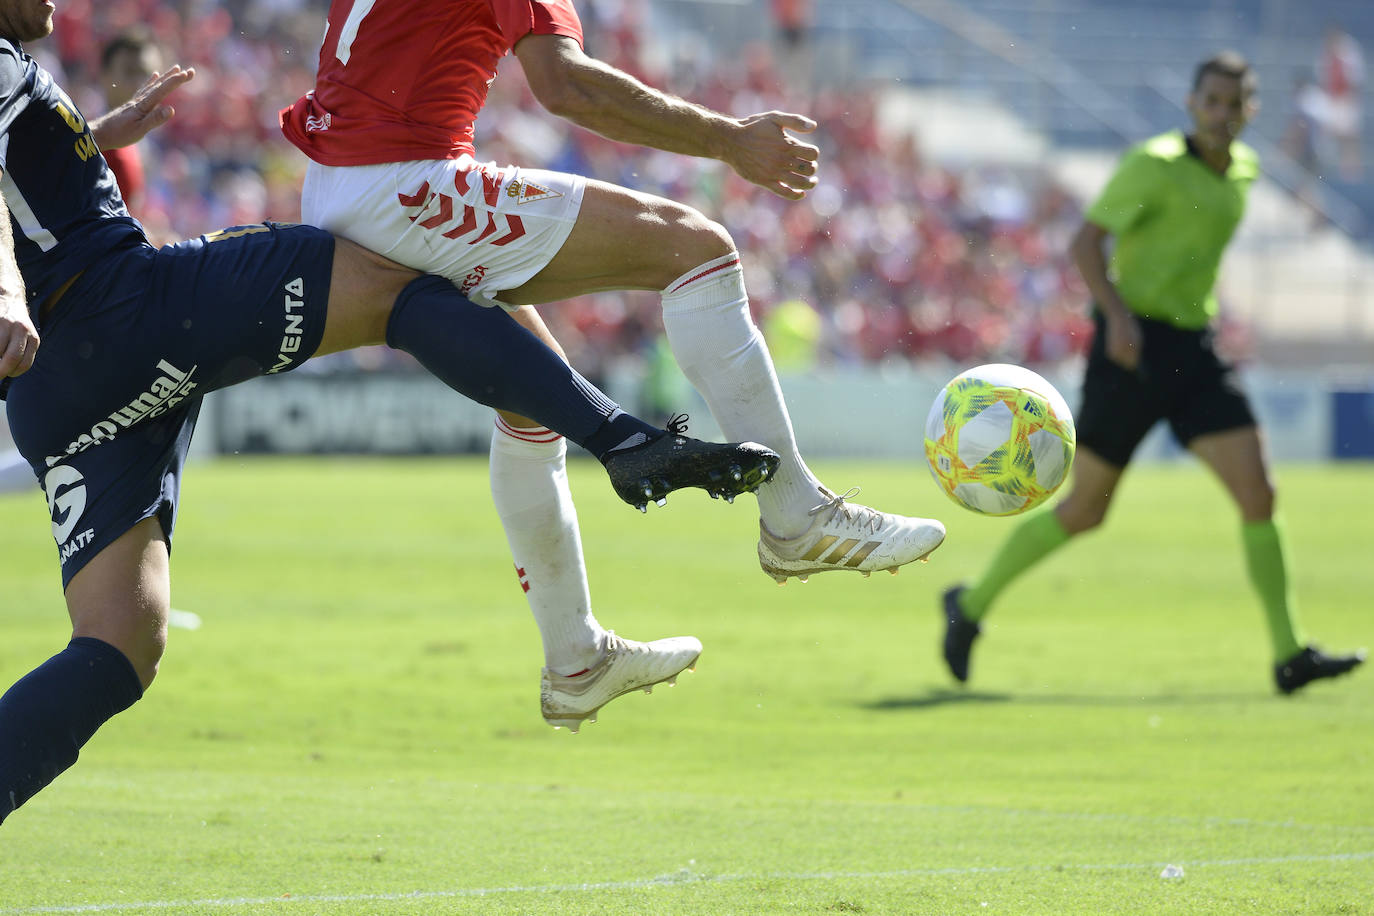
(627,665)
(845,535)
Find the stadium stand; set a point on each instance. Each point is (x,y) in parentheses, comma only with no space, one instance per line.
(1083,78)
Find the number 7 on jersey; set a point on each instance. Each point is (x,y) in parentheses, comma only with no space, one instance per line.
(356,15)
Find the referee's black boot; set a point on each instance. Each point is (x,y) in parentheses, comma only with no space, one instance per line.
(1310,665)
(960,632)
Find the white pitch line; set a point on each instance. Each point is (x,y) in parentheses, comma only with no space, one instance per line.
(680,878)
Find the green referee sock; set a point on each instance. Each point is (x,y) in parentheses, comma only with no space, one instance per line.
(1264,559)
(1031,542)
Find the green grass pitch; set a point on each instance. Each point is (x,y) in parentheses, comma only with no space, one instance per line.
(355,728)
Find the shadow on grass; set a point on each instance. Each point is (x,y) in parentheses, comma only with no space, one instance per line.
(943,696)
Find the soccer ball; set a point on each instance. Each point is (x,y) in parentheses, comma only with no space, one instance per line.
(999,439)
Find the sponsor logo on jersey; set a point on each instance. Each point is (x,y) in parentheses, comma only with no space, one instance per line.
(525,191)
(293,308)
(167,391)
(472,278)
(66,491)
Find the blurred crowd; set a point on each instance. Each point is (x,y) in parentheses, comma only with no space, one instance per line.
(221,160)
(893,257)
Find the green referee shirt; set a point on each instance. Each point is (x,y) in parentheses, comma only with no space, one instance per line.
(1172,216)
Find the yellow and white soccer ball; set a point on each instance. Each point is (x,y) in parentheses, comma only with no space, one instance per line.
(999,439)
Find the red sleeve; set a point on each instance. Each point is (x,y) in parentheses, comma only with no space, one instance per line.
(518,18)
(127,166)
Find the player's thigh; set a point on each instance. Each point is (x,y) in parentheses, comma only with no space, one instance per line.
(122,595)
(363,287)
(625,239)
(1237,457)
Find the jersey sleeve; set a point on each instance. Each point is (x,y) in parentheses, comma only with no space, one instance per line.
(14,93)
(518,18)
(1128,195)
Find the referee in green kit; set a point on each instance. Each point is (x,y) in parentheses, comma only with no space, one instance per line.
(1172,206)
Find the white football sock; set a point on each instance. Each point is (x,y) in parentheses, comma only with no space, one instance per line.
(723,354)
(529,486)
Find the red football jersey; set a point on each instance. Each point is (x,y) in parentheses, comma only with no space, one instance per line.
(404,79)
(127,166)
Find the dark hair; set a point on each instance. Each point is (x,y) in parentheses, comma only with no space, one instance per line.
(1232,64)
(136,40)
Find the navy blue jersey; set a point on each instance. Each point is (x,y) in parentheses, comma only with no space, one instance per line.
(64,203)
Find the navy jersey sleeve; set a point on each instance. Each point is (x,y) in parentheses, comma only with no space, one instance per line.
(14,97)
(65,208)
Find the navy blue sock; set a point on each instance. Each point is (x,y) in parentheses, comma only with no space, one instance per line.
(485,354)
(52,711)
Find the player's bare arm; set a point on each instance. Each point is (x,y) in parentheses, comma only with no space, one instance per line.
(132,121)
(18,336)
(592,94)
(1123,331)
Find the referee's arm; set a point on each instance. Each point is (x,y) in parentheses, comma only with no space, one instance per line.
(1089,251)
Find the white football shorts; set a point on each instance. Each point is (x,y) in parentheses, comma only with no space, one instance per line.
(486,228)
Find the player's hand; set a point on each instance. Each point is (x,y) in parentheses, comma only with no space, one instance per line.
(763,151)
(1123,341)
(131,122)
(18,338)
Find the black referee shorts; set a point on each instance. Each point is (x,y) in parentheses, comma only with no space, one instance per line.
(1180,378)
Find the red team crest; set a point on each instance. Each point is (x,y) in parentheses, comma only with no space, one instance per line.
(526,192)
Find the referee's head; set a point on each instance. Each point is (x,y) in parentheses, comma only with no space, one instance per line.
(1222,101)
(1228,64)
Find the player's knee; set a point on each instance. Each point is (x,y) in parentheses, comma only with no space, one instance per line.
(701,239)
(146,670)
(716,239)
(150,652)
(142,641)
(1079,516)
(1257,504)
(144,651)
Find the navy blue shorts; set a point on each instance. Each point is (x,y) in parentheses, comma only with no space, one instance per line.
(1180,379)
(105,415)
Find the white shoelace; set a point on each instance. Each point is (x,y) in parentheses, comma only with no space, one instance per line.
(854,516)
